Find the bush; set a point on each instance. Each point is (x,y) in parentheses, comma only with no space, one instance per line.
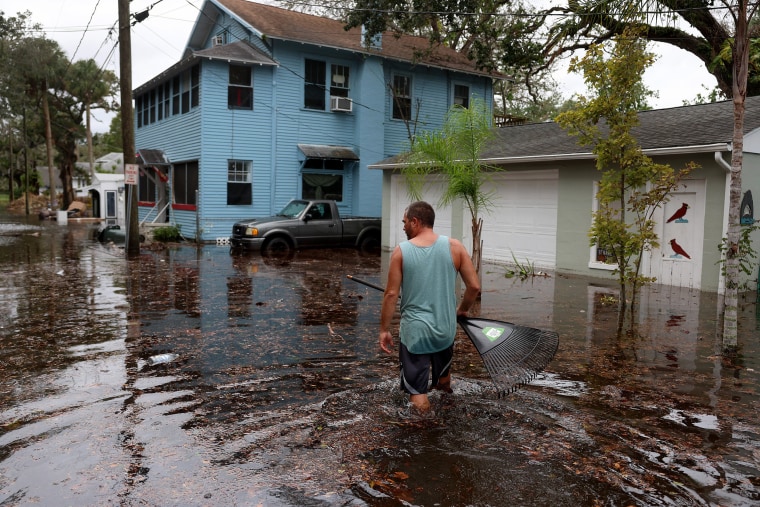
(167,234)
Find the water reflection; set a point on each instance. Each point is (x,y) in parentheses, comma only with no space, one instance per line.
(268,388)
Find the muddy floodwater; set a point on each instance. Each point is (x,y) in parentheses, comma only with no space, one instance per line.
(194,377)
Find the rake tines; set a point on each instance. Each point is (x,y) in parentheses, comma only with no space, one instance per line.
(513,355)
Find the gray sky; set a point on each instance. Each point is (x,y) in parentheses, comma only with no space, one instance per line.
(87,29)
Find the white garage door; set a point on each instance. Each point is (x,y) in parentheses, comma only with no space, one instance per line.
(522,219)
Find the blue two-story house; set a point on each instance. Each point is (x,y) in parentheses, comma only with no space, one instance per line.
(268,105)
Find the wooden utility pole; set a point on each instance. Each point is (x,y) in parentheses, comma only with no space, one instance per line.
(127,126)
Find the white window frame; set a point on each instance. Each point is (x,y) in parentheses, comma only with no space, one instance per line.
(592,262)
(454,95)
(409,97)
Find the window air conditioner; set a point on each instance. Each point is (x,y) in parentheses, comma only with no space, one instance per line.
(343,104)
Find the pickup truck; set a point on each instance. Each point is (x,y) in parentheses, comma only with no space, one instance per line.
(304,224)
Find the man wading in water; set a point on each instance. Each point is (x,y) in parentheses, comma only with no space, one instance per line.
(423,271)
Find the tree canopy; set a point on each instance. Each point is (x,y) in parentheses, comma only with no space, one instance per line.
(39,83)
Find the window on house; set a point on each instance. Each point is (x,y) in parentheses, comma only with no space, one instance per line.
(462,96)
(138,109)
(110,204)
(339,81)
(402,97)
(600,258)
(175,95)
(240,91)
(195,86)
(185,185)
(160,103)
(314,86)
(185,92)
(152,106)
(146,187)
(321,186)
(239,182)
(166,103)
(146,109)
(322,178)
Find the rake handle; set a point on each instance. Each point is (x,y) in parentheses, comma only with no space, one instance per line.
(365,282)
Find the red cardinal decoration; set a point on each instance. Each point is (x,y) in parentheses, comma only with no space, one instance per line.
(677,249)
(680,212)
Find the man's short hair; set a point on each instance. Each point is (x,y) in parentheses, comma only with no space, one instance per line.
(423,212)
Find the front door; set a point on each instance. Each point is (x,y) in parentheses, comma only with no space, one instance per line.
(680,226)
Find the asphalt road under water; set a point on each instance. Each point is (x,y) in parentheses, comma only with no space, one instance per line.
(191,376)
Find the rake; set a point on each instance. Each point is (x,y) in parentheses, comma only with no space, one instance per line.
(513,355)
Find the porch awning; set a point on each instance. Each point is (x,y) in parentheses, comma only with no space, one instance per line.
(328,152)
(152,157)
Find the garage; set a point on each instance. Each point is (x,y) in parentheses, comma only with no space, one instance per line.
(521,221)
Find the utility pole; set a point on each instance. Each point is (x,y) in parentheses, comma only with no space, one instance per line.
(127,126)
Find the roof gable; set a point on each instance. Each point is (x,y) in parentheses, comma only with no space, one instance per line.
(281,24)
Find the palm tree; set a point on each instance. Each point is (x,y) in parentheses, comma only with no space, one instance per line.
(454,151)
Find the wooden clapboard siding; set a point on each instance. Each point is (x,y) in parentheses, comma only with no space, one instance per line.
(269,135)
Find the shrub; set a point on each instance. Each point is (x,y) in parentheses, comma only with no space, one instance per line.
(167,234)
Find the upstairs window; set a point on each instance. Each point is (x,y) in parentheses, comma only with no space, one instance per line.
(339,81)
(138,110)
(402,97)
(195,86)
(314,86)
(175,95)
(160,102)
(164,105)
(462,96)
(240,91)
(152,107)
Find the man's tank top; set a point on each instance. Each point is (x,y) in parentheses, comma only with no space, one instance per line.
(428,302)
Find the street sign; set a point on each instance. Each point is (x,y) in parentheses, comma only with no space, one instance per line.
(130,174)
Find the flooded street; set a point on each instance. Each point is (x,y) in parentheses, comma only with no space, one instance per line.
(194,377)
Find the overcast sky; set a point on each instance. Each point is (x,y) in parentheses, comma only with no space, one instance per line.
(87,29)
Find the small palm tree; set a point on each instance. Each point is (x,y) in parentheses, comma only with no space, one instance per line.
(454,151)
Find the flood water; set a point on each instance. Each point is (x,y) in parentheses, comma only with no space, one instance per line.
(191,376)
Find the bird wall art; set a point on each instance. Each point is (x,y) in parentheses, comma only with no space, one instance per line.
(678,249)
(679,214)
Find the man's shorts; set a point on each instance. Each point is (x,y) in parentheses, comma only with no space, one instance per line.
(416,368)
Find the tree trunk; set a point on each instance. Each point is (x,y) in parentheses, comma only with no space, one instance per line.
(49,148)
(740,68)
(67,171)
(89,141)
(10,164)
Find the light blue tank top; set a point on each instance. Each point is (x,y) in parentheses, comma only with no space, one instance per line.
(428,302)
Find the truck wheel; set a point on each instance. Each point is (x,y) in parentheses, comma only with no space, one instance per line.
(370,244)
(277,247)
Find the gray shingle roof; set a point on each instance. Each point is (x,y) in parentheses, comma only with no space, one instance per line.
(686,127)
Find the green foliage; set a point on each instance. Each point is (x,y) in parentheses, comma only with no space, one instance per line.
(167,234)
(521,270)
(454,152)
(746,254)
(632,186)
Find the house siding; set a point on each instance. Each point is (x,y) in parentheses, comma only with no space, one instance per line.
(269,135)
